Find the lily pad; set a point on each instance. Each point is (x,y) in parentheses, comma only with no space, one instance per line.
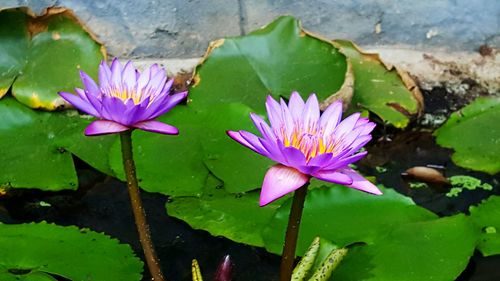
(474,134)
(427,250)
(389,93)
(42,251)
(13,46)
(344,216)
(235,216)
(35,147)
(238,167)
(49,60)
(171,165)
(487,217)
(277,59)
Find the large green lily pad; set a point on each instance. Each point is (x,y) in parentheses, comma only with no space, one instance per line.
(427,250)
(235,216)
(344,216)
(276,60)
(390,94)
(474,134)
(49,60)
(240,168)
(171,165)
(13,46)
(42,251)
(486,217)
(35,147)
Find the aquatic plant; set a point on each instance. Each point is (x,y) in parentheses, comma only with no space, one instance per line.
(125,100)
(306,144)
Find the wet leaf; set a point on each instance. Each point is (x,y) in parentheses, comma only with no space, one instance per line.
(238,167)
(35,147)
(277,59)
(40,251)
(171,165)
(13,46)
(42,55)
(487,218)
(389,93)
(474,134)
(344,216)
(235,216)
(428,250)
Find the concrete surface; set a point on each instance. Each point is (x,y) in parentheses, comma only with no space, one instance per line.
(183,28)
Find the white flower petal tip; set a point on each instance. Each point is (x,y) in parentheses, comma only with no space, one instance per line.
(279,181)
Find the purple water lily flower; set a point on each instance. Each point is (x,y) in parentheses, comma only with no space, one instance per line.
(307,145)
(126,99)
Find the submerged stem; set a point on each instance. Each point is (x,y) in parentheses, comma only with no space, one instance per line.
(292,233)
(137,208)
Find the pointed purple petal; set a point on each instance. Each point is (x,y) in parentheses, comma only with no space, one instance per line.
(321,160)
(104,127)
(333,177)
(345,161)
(144,78)
(157,127)
(346,126)
(360,183)
(310,115)
(273,112)
(104,75)
(89,84)
(254,141)
(128,76)
(279,181)
(116,73)
(296,106)
(79,103)
(172,101)
(239,138)
(331,117)
(294,157)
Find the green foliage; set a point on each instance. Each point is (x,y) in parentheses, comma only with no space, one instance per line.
(428,250)
(380,90)
(474,134)
(36,147)
(38,67)
(41,251)
(487,218)
(459,183)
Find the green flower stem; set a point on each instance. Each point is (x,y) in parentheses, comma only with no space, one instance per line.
(292,233)
(137,208)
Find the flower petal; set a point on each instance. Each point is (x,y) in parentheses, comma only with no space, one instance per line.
(79,103)
(116,72)
(346,126)
(279,181)
(331,117)
(157,127)
(169,103)
(104,127)
(273,112)
(128,76)
(360,183)
(104,75)
(294,157)
(89,84)
(342,162)
(239,138)
(310,115)
(296,106)
(334,177)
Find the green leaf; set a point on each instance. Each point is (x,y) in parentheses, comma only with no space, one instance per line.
(380,90)
(429,250)
(277,59)
(344,216)
(76,254)
(54,58)
(171,165)
(487,218)
(13,46)
(235,216)
(36,145)
(240,168)
(474,134)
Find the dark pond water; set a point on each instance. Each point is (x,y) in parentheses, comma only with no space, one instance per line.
(102,204)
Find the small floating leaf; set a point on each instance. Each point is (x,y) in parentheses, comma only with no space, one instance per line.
(487,217)
(474,134)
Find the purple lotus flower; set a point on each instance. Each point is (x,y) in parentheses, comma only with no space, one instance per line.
(126,99)
(307,145)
